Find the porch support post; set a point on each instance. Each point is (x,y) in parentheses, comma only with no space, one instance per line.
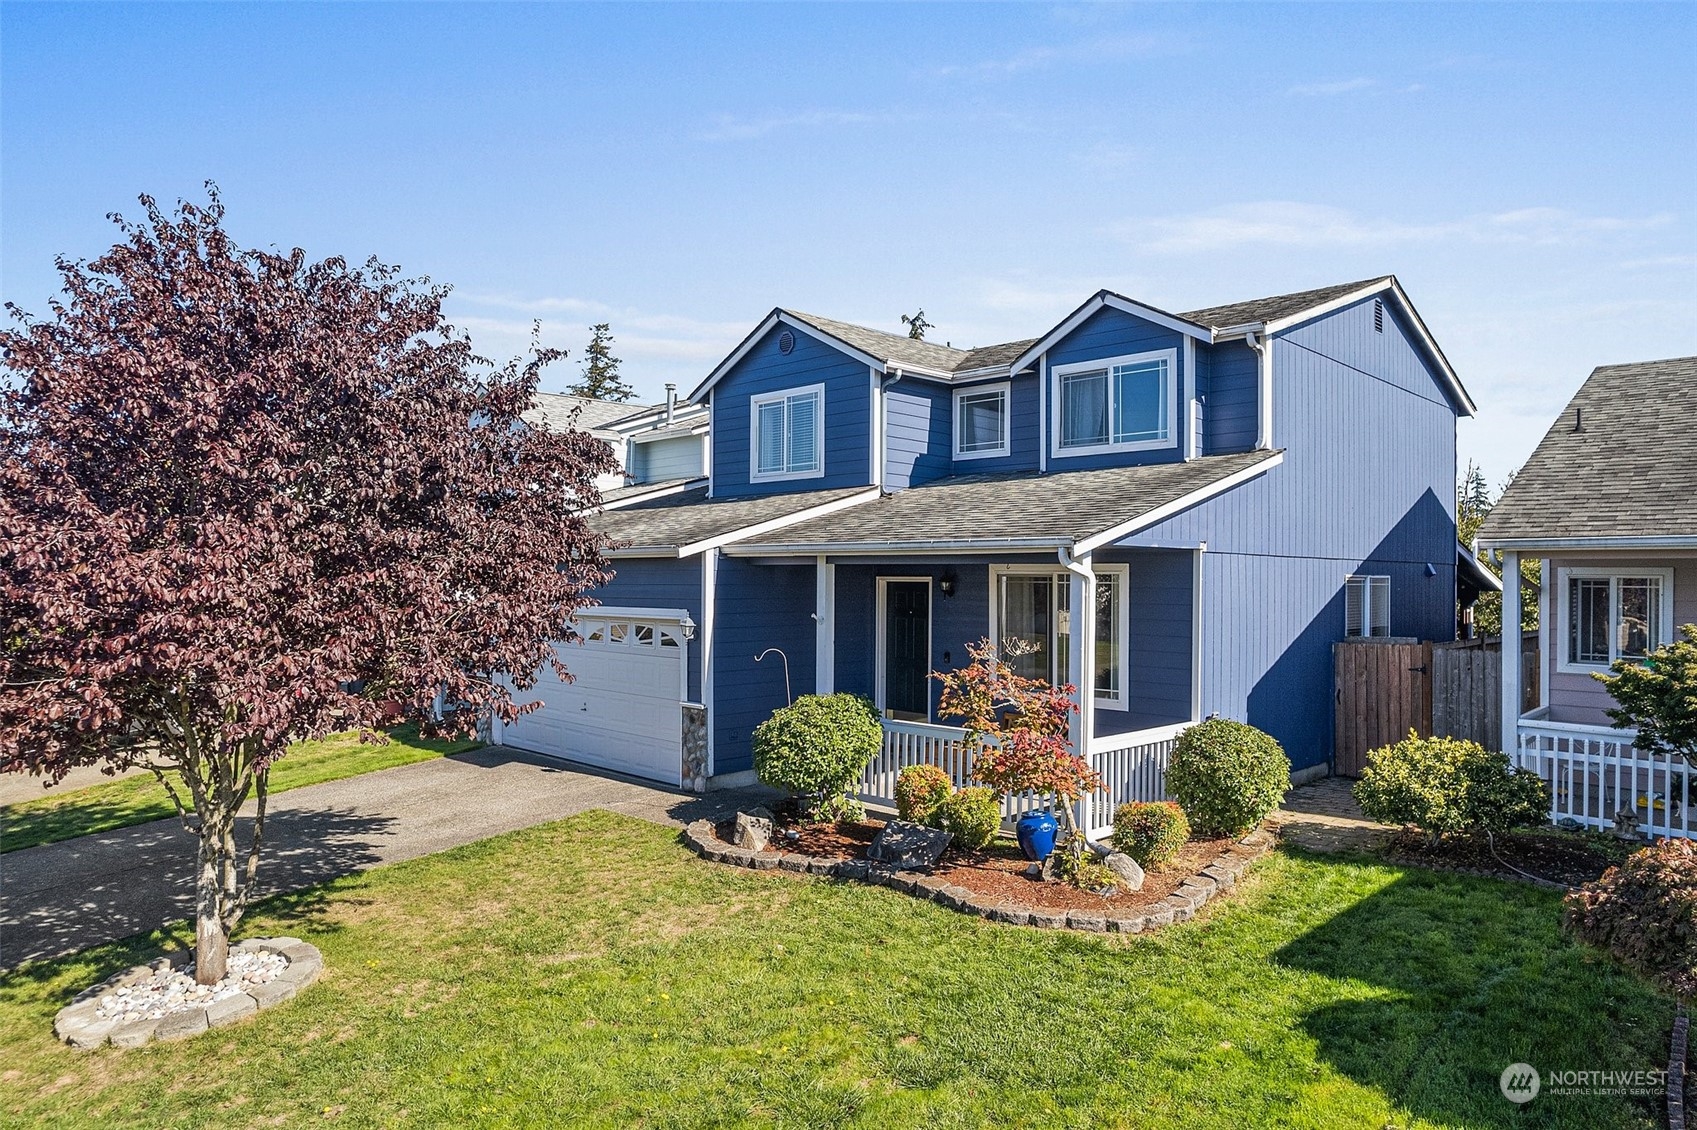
(1511,655)
(1081,631)
(824,626)
(705,632)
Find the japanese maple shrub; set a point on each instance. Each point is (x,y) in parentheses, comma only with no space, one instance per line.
(818,747)
(1644,912)
(1018,729)
(1227,776)
(235,485)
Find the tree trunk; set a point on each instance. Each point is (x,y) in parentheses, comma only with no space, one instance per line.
(211,941)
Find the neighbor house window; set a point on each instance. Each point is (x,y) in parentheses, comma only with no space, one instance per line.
(1608,616)
(1366,607)
(1123,403)
(981,421)
(788,429)
(1035,607)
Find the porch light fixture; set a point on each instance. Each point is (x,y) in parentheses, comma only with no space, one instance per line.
(687,626)
(946,582)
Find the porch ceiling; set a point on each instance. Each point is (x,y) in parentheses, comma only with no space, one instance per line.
(1019,510)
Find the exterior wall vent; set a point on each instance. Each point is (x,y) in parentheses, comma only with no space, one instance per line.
(786,343)
(1379,315)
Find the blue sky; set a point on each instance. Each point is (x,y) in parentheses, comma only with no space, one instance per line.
(1529,172)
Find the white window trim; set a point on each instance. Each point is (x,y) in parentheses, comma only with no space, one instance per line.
(1122,575)
(755,474)
(1002,448)
(1058,373)
(882,639)
(1614,573)
(1367,605)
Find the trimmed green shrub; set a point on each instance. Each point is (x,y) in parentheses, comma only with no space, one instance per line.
(819,745)
(1644,912)
(920,790)
(839,808)
(1227,776)
(1447,785)
(972,816)
(1150,832)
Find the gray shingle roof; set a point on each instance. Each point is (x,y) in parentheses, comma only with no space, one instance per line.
(635,490)
(1632,471)
(1272,307)
(1019,508)
(900,349)
(553,411)
(689,516)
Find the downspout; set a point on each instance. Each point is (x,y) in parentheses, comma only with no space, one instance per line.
(1263,389)
(1083,678)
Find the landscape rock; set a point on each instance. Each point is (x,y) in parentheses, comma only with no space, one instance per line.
(907,846)
(272,992)
(1047,919)
(752,832)
(1125,869)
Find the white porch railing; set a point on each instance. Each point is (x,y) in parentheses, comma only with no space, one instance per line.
(1133,767)
(1594,772)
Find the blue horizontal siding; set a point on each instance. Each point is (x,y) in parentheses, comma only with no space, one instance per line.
(917,434)
(758,606)
(660,582)
(848,409)
(1025,431)
(1160,619)
(1229,416)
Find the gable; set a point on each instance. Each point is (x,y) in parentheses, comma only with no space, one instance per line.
(1379,343)
(1110,332)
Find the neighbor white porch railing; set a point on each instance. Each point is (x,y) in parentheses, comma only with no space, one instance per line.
(1133,767)
(1594,772)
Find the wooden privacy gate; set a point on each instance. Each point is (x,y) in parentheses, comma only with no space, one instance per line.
(1386,688)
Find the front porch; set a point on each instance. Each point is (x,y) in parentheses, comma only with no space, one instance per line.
(1595,775)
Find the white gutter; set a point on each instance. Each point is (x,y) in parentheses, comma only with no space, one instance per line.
(936,545)
(660,491)
(1645,541)
(1263,348)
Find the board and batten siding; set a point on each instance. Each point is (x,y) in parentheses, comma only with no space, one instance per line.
(758,606)
(1575,696)
(848,408)
(657,582)
(1366,486)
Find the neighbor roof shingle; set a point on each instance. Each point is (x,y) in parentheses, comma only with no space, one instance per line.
(1274,306)
(689,516)
(553,411)
(1632,471)
(1019,508)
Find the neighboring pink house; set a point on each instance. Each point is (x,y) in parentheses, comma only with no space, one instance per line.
(1608,502)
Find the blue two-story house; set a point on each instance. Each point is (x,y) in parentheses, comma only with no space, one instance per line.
(1179,513)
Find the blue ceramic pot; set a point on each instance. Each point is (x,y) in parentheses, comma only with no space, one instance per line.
(1036,832)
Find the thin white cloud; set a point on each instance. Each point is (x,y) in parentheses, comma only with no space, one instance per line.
(1326,89)
(1290,224)
(732,127)
(1085,51)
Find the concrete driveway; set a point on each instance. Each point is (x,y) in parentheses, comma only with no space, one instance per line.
(59,898)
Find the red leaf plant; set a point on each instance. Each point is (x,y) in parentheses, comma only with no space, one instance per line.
(1019,730)
(246,499)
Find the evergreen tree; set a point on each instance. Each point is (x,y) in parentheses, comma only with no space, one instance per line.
(601,380)
(1473,503)
(916,325)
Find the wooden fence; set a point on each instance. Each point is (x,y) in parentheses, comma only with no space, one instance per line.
(1385,688)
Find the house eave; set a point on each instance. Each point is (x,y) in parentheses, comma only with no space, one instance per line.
(877,547)
(1558,545)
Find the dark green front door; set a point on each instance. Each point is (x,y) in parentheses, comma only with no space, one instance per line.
(907,649)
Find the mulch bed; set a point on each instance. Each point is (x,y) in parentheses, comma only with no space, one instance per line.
(1559,858)
(998,870)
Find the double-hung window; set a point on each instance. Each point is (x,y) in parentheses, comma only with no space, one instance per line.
(1034,608)
(1366,607)
(1117,404)
(788,434)
(1609,614)
(981,421)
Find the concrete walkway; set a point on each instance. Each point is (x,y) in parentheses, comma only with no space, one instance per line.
(59,898)
(1324,817)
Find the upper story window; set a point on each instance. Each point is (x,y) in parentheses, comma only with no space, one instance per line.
(1117,404)
(1366,607)
(981,421)
(787,434)
(1608,615)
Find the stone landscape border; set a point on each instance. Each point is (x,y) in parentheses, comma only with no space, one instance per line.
(78,1026)
(1219,875)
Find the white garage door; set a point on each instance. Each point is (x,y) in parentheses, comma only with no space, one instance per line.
(623,708)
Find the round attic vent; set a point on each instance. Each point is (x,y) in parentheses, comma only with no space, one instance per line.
(786,342)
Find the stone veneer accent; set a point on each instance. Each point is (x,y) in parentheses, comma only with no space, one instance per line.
(78,1026)
(695,748)
(1220,875)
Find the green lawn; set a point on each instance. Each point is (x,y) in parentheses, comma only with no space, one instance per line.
(592,972)
(138,799)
